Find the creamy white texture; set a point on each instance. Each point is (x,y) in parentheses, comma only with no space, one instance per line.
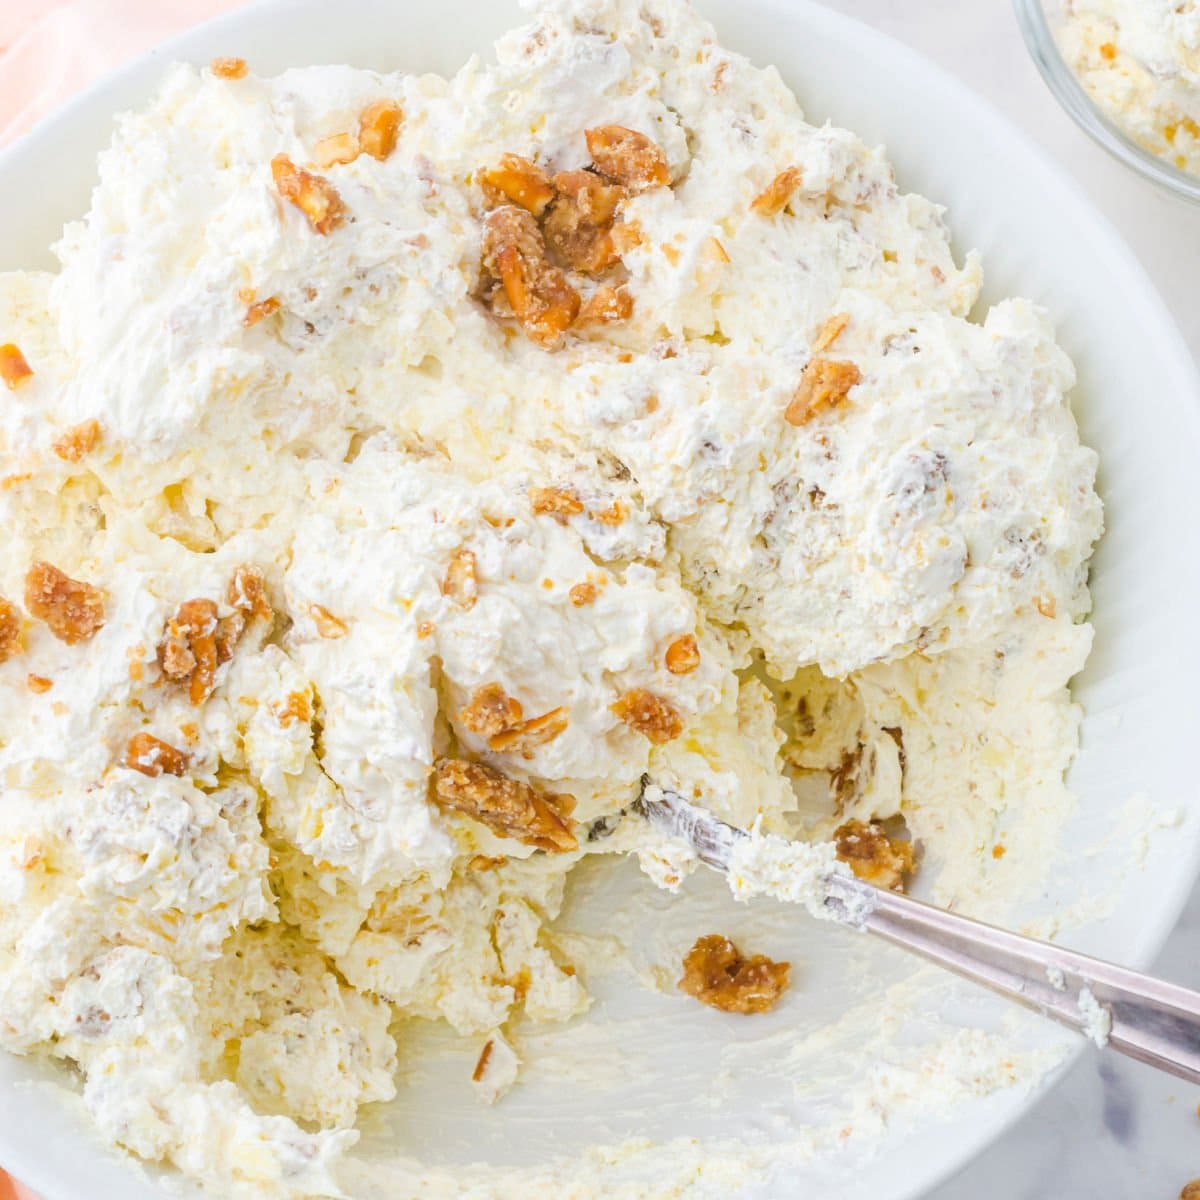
(1140,62)
(230,955)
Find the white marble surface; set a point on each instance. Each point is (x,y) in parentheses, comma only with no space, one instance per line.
(1112,1130)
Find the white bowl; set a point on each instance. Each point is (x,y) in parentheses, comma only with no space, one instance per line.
(1137,403)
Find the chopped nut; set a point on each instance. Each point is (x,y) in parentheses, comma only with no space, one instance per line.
(461,583)
(482,862)
(77,441)
(335,150)
(519,181)
(506,806)
(716,251)
(188,650)
(628,157)
(425,629)
(530,734)
(514,252)
(650,715)
(872,855)
(605,306)
(1108,52)
(717,974)
(578,224)
(38,683)
(313,195)
(583,593)
(683,655)
(14,370)
(379,128)
(614,514)
(229,633)
(491,711)
(297,707)
(774,199)
(153,757)
(257,310)
(482,1062)
(328,626)
(247,592)
(1046,605)
(73,610)
(824,384)
(229,68)
(10,630)
(558,502)
(830,332)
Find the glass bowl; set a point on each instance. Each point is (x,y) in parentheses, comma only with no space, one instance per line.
(1037,19)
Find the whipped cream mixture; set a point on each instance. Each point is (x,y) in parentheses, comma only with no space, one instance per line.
(1140,62)
(378,513)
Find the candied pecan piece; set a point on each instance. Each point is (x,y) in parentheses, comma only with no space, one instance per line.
(14,369)
(482,862)
(614,514)
(328,626)
(683,655)
(873,856)
(10,630)
(257,310)
(313,195)
(526,737)
(774,198)
(248,593)
(336,150)
(830,332)
(514,252)
(650,715)
(73,610)
(461,581)
(188,650)
(229,68)
(628,157)
(153,757)
(77,441)
(490,711)
(506,806)
(583,593)
(517,180)
(38,684)
(558,502)
(605,306)
(296,707)
(578,224)
(717,973)
(824,384)
(379,128)
(1046,605)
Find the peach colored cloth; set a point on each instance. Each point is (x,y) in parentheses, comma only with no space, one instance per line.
(50,49)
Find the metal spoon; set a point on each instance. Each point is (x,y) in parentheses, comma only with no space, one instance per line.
(1142,1017)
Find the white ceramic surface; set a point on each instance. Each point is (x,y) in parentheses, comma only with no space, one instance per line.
(1137,404)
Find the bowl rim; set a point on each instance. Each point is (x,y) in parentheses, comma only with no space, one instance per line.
(113,93)
(1072,96)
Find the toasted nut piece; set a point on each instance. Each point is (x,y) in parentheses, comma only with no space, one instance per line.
(717,974)
(526,737)
(491,711)
(830,332)
(257,310)
(328,626)
(73,610)
(578,224)
(297,707)
(379,128)
(153,757)
(188,650)
(774,199)
(10,630)
(606,305)
(558,502)
(461,582)
(514,252)
(313,195)
(77,441)
(518,180)
(628,157)
(683,655)
(337,149)
(247,593)
(881,860)
(614,514)
(38,683)
(229,68)
(482,862)
(652,716)
(583,593)
(506,806)
(14,370)
(824,384)
(1046,605)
